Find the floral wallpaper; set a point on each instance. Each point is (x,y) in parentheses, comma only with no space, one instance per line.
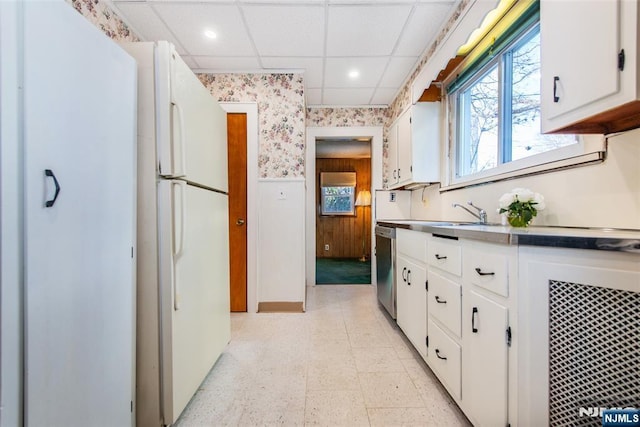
(336,117)
(105,19)
(281,116)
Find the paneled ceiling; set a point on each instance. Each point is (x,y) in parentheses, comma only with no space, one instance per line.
(352,52)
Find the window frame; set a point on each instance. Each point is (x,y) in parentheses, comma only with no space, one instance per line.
(588,149)
(351,197)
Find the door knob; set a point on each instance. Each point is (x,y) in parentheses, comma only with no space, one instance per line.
(240,221)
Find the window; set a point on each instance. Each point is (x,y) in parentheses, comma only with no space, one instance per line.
(337,190)
(498,109)
(493,109)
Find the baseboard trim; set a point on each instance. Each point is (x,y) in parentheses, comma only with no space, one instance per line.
(280,307)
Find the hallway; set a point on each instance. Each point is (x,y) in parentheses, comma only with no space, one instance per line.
(343,362)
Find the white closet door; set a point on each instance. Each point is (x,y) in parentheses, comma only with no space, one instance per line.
(79,122)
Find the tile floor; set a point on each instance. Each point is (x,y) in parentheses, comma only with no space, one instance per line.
(342,363)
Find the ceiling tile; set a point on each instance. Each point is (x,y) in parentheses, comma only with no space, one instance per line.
(364,30)
(397,71)
(286,30)
(189,20)
(312,67)
(384,96)
(346,96)
(146,24)
(313,96)
(226,63)
(337,69)
(422,28)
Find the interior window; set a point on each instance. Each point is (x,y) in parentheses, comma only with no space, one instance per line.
(337,190)
(498,108)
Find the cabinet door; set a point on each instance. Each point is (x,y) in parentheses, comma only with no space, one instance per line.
(79,122)
(578,64)
(392,150)
(485,362)
(412,303)
(404,148)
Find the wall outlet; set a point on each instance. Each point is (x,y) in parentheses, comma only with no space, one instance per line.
(326,247)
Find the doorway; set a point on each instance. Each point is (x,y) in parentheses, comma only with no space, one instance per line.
(343,214)
(313,133)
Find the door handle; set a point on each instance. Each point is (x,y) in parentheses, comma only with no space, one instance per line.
(440,301)
(438,354)
(240,221)
(484,273)
(404,277)
(474,311)
(556,98)
(438,256)
(409,277)
(49,173)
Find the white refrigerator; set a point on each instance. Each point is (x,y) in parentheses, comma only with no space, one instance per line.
(183,319)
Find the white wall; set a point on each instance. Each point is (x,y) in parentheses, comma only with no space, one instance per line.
(281,241)
(602,195)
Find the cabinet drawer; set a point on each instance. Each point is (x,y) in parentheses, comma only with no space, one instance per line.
(445,254)
(489,270)
(445,302)
(444,358)
(412,244)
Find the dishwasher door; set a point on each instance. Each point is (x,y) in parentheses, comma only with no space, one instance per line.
(386,267)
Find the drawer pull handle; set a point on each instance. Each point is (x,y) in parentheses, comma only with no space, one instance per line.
(438,256)
(483,273)
(474,311)
(556,98)
(404,271)
(409,277)
(438,354)
(439,301)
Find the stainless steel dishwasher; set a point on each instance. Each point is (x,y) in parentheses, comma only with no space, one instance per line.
(386,267)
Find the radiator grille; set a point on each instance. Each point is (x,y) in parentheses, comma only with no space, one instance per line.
(594,348)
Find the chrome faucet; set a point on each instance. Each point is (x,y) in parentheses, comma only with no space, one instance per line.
(481,215)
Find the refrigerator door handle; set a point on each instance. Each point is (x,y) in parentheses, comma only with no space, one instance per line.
(179,229)
(179,155)
(178,225)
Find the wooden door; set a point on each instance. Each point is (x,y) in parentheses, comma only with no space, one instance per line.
(237,144)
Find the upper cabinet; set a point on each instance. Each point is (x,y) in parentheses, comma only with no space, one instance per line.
(413,146)
(589,66)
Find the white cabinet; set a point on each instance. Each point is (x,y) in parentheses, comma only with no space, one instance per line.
(444,305)
(78,267)
(411,280)
(413,145)
(586,85)
(486,361)
(489,282)
(578,313)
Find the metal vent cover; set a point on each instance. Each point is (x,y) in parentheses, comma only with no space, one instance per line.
(594,351)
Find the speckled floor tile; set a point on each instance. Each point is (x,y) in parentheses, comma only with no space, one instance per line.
(335,408)
(342,363)
(389,390)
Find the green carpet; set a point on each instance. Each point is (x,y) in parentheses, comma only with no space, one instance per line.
(343,271)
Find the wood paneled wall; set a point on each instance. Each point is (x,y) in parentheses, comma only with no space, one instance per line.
(343,234)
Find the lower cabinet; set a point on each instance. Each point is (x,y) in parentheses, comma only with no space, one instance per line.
(444,358)
(411,302)
(485,361)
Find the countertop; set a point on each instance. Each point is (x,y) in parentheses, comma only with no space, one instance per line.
(607,239)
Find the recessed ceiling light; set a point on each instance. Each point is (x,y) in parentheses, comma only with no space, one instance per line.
(354,74)
(210,34)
